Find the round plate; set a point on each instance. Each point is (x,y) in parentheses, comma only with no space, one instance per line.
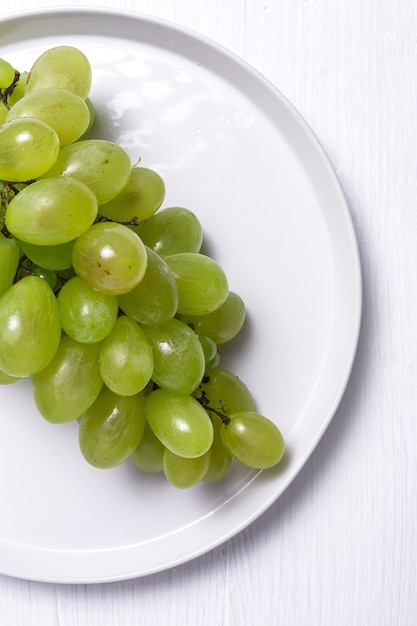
(233,150)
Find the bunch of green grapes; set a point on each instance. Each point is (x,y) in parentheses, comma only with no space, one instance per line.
(106,301)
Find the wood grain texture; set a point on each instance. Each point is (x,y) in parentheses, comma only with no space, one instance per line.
(340,546)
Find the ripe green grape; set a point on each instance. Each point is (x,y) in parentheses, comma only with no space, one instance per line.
(155,299)
(70,383)
(172,230)
(61,67)
(179,422)
(110,258)
(142,195)
(184,473)
(224,323)
(51,211)
(28,149)
(202,284)
(102,165)
(253,439)
(9,261)
(111,429)
(86,315)
(225,392)
(178,356)
(149,453)
(30,329)
(7,74)
(126,358)
(55,258)
(64,111)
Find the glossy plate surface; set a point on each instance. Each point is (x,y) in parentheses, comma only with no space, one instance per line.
(233,150)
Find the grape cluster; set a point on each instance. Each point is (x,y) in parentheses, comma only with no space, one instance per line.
(106,301)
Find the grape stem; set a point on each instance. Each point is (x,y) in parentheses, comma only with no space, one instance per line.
(205,402)
(134,221)
(6,92)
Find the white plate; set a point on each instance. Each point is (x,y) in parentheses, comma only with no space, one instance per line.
(232,149)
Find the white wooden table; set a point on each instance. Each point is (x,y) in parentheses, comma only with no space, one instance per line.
(340,546)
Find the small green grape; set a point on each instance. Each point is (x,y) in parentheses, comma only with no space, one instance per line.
(126,358)
(141,196)
(86,315)
(154,300)
(61,67)
(110,258)
(172,230)
(179,422)
(30,329)
(111,429)
(202,284)
(70,383)
(52,211)
(185,473)
(149,453)
(64,111)
(253,439)
(28,149)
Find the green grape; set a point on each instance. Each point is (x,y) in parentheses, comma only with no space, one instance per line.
(86,315)
(220,458)
(111,429)
(155,299)
(149,454)
(19,89)
(142,195)
(30,329)
(7,74)
(202,284)
(172,230)
(61,67)
(178,356)
(225,392)
(224,323)
(62,110)
(102,165)
(55,258)
(9,261)
(179,422)
(184,473)
(48,275)
(28,149)
(126,358)
(51,211)
(253,439)
(67,387)
(110,258)
(5,379)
